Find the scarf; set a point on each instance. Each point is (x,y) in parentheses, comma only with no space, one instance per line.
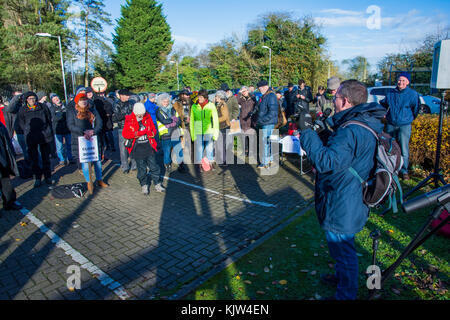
(204,103)
(84,114)
(31,107)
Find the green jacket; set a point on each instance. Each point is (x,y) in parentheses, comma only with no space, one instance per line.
(204,121)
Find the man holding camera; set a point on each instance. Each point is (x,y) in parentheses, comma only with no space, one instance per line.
(338,194)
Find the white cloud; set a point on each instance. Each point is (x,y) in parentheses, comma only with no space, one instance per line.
(342,12)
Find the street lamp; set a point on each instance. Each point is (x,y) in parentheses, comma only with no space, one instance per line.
(73,77)
(270,65)
(48,35)
(178,81)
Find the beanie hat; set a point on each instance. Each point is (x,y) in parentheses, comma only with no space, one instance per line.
(139,108)
(333,83)
(52,95)
(404,74)
(89,89)
(79,89)
(79,96)
(262,83)
(152,95)
(40,94)
(29,94)
(224,87)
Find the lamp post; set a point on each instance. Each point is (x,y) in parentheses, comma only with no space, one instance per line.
(73,77)
(48,35)
(270,65)
(178,81)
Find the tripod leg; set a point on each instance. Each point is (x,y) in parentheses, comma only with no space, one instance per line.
(411,246)
(418,187)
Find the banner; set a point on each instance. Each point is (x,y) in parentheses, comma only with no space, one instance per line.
(88,149)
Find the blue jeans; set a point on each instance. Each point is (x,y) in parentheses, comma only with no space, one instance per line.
(203,143)
(402,134)
(167,145)
(342,250)
(266,133)
(63,148)
(97,168)
(23,146)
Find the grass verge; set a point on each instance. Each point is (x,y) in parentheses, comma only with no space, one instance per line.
(288,265)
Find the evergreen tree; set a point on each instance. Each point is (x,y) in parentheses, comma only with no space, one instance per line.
(91,20)
(142,42)
(26,59)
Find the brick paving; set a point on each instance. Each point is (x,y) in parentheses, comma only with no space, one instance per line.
(148,244)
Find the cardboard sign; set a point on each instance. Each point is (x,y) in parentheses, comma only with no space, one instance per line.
(98,84)
(235,127)
(88,149)
(291,144)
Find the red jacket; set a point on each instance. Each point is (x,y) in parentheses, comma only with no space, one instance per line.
(131,129)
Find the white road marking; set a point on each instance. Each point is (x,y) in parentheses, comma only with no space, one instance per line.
(104,279)
(259,203)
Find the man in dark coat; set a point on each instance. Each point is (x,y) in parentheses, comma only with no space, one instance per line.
(8,167)
(303,98)
(35,120)
(105,109)
(290,97)
(121,108)
(62,132)
(338,193)
(267,119)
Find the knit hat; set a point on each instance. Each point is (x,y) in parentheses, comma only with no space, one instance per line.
(262,83)
(151,95)
(29,94)
(124,92)
(404,74)
(89,89)
(52,95)
(79,96)
(79,89)
(333,83)
(41,94)
(138,108)
(224,87)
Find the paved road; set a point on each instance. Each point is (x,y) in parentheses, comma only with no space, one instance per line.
(132,246)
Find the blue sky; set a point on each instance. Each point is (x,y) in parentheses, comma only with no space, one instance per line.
(344,23)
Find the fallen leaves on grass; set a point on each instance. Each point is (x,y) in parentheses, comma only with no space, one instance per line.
(282,282)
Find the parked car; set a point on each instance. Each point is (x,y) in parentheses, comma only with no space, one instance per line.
(432,104)
(376,94)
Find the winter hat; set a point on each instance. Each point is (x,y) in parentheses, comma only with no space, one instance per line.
(29,94)
(52,95)
(404,74)
(124,92)
(151,95)
(89,89)
(224,87)
(262,83)
(333,83)
(79,96)
(138,108)
(79,89)
(41,94)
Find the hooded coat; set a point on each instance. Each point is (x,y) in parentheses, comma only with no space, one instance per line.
(338,193)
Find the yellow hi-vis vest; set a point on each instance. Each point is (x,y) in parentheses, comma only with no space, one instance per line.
(162,129)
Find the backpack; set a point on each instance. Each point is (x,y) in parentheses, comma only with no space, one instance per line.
(383,182)
(444,230)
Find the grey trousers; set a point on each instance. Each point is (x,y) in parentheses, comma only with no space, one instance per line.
(124,164)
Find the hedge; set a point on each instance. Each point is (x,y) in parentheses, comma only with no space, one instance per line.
(422,147)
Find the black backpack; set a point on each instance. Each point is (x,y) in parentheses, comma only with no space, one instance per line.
(383,183)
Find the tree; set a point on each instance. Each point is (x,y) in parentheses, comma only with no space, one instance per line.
(92,18)
(357,68)
(27,59)
(142,40)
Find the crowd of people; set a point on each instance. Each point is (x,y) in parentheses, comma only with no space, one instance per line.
(150,124)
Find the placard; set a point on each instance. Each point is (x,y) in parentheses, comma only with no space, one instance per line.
(88,149)
(291,144)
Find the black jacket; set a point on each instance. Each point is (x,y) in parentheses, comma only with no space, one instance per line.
(36,124)
(77,128)
(120,110)
(13,108)
(105,110)
(59,119)
(8,164)
(303,104)
(290,98)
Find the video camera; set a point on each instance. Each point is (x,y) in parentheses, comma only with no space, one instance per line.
(438,196)
(304,120)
